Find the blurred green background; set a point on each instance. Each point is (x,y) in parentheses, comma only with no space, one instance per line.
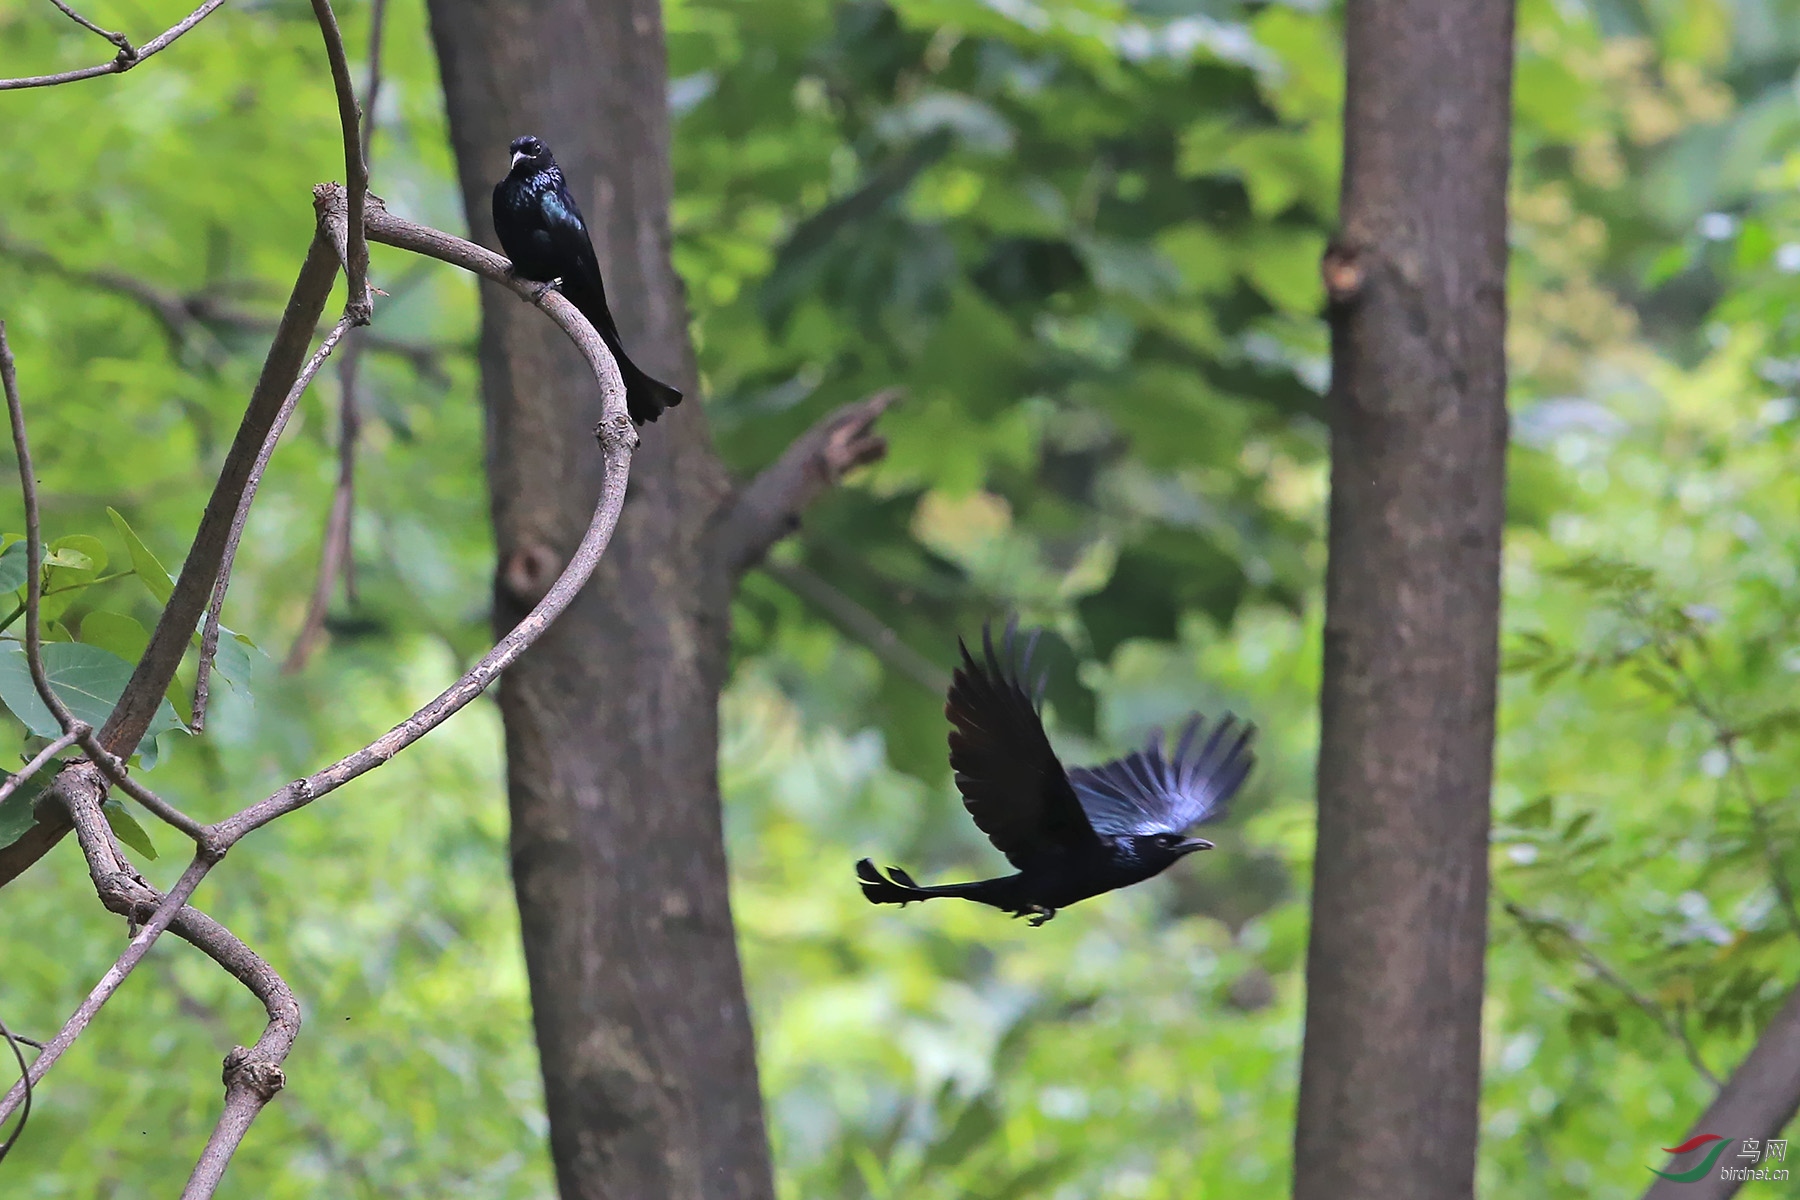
(1085,237)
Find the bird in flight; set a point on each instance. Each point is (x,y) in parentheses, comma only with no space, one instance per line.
(541,230)
(1075,833)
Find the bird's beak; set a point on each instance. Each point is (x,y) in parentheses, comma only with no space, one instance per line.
(1189,845)
(519,157)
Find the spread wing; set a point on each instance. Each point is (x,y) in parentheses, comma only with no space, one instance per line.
(1148,792)
(1010,779)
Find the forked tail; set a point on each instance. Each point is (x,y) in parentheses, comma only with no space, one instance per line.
(897,887)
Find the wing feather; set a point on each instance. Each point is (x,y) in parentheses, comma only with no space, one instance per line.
(1148,791)
(1011,780)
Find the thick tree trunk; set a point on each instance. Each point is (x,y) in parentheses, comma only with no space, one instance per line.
(1390,1073)
(611,719)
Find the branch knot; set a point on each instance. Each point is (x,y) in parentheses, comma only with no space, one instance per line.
(264,1079)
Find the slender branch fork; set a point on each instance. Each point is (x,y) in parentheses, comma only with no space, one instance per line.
(127,57)
(348,217)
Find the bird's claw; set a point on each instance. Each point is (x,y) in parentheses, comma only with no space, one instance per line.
(543,289)
(1042,914)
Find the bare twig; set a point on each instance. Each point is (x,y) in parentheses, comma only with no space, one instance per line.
(1532,922)
(120,42)
(12,1042)
(157,921)
(769,507)
(74,734)
(209,636)
(337,550)
(127,58)
(34,542)
(356,169)
(861,624)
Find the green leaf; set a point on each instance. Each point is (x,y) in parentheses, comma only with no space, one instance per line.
(17,811)
(87,678)
(71,563)
(128,829)
(12,567)
(148,569)
(115,632)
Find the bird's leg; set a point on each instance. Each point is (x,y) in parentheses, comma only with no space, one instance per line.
(1043,914)
(538,293)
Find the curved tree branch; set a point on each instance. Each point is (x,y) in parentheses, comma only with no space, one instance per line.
(768,508)
(127,57)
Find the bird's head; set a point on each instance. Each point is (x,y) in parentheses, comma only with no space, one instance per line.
(1165,848)
(529,153)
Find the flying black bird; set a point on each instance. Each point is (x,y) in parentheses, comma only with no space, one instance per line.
(1072,834)
(541,230)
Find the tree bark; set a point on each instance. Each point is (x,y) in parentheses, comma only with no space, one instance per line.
(1390,1071)
(611,719)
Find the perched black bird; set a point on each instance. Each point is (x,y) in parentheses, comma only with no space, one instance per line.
(541,230)
(1072,834)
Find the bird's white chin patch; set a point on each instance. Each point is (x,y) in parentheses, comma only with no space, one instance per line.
(518,158)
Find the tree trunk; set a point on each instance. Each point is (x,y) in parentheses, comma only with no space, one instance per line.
(1390,1072)
(611,719)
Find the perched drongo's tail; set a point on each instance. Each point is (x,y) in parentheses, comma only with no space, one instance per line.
(645,398)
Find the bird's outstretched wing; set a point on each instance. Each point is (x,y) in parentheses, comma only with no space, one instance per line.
(1149,792)
(1010,779)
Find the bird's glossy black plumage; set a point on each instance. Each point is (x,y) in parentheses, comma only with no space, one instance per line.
(1076,833)
(541,230)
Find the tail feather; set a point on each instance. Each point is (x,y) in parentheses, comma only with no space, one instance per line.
(645,398)
(880,889)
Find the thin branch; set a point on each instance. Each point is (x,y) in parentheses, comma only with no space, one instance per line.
(356,169)
(377,18)
(34,541)
(337,550)
(1531,922)
(116,974)
(120,42)
(209,636)
(12,1042)
(769,507)
(252,1076)
(126,59)
(116,771)
(861,624)
(75,733)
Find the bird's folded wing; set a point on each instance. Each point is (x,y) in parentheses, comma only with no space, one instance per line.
(1148,792)
(1010,779)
